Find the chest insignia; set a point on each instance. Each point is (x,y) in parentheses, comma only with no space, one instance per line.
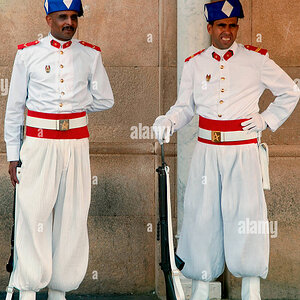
(47,69)
(208,77)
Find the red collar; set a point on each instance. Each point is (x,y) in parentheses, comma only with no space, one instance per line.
(58,45)
(226,56)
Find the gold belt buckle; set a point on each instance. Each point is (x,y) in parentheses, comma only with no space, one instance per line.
(64,125)
(216,136)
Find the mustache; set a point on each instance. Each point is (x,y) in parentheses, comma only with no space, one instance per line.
(68,28)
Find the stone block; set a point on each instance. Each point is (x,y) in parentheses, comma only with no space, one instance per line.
(283,199)
(122,185)
(168,31)
(169,88)
(121,29)
(244,33)
(282,41)
(136,101)
(20,23)
(121,254)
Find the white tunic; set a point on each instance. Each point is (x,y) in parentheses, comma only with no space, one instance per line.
(232,192)
(234,88)
(76,82)
(54,190)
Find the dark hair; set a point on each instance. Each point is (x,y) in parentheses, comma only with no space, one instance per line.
(212,22)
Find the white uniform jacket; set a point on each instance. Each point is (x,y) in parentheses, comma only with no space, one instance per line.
(48,79)
(230,89)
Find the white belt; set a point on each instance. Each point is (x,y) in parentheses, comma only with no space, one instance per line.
(61,125)
(226,136)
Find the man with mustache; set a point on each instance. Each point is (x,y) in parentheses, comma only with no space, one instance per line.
(59,80)
(223,84)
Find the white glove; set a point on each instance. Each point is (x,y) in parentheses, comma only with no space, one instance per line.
(162,128)
(256,123)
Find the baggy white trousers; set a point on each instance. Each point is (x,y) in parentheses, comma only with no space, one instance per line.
(51,238)
(223,197)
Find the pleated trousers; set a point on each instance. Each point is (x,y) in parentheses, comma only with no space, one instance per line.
(53,199)
(223,196)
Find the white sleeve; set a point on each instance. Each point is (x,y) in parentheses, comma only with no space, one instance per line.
(182,112)
(99,87)
(284,88)
(14,117)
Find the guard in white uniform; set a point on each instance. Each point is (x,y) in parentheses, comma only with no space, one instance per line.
(223,85)
(58,79)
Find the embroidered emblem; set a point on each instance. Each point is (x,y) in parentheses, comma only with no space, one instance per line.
(227,8)
(67,3)
(47,69)
(46,6)
(228,54)
(216,56)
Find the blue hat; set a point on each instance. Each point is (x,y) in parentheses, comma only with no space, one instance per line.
(223,9)
(59,5)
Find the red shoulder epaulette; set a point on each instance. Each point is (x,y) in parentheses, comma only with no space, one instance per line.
(197,53)
(22,46)
(90,45)
(256,49)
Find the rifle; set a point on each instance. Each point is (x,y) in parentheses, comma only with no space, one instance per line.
(170,262)
(10,265)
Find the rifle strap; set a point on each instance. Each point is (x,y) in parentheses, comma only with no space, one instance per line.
(175,272)
(9,291)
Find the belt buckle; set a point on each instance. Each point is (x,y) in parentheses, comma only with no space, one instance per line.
(216,136)
(64,125)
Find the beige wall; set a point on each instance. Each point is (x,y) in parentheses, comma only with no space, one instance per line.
(143,78)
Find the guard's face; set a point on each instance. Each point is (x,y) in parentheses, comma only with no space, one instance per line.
(63,24)
(223,32)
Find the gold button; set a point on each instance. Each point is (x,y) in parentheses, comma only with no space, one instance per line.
(222,78)
(222,67)
(61,66)
(222,90)
(221,101)
(220,116)
(61,52)
(61,105)
(61,80)
(62,93)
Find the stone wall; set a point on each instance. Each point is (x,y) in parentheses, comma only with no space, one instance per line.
(138,42)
